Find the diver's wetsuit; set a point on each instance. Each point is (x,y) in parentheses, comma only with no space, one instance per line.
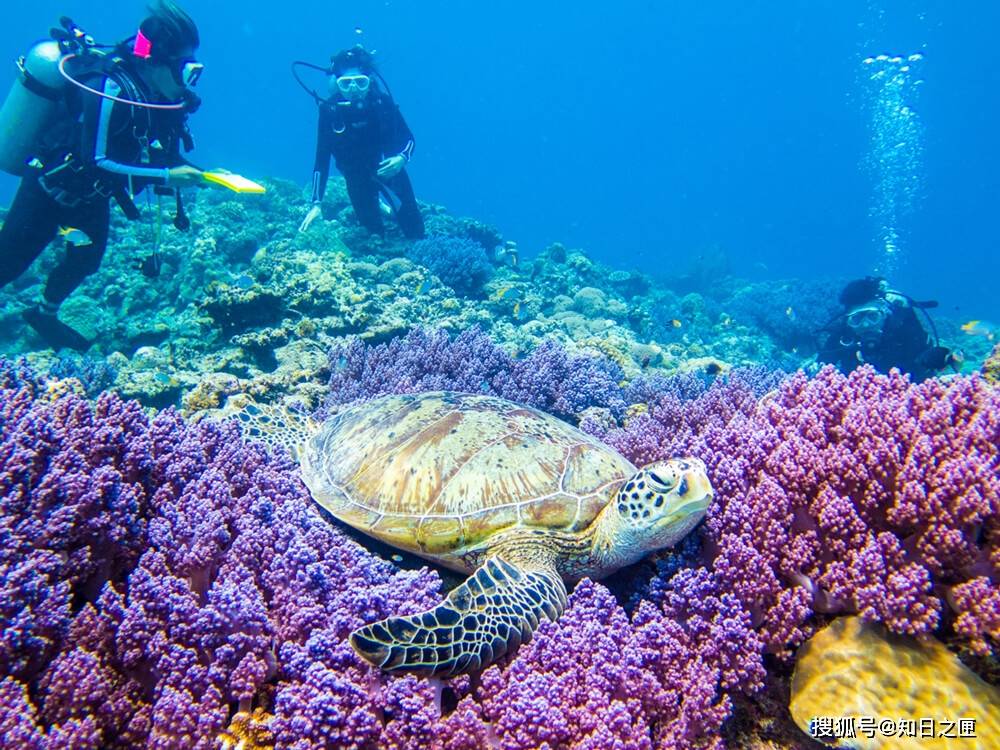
(904,344)
(359,136)
(118,151)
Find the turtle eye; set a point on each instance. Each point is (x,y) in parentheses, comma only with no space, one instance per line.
(659,480)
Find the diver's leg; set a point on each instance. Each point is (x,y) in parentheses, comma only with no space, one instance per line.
(30,225)
(408,214)
(79,262)
(363,191)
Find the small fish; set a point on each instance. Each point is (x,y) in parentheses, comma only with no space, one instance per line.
(75,237)
(508,294)
(150,266)
(676,323)
(790,313)
(980,328)
(713,368)
(243,281)
(726,321)
(517,310)
(162,377)
(420,287)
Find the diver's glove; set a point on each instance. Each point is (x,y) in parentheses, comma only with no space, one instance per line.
(55,333)
(185,176)
(314,213)
(391,167)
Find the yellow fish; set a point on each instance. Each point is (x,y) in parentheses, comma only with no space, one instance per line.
(507,293)
(980,328)
(675,323)
(517,309)
(75,237)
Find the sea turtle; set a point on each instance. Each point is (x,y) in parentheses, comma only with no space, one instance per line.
(513,496)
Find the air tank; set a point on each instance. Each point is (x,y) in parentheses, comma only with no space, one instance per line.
(33,101)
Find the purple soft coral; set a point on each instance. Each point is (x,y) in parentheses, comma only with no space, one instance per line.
(153,574)
(858,492)
(549,378)
(187,573)
(597,680)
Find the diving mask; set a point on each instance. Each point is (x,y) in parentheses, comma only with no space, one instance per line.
(868,318)
(187,72)
(354,87)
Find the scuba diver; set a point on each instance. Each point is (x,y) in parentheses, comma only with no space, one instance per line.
(880,327)
(361,127)
(114,126)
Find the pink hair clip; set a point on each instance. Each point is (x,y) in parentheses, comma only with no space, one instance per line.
(143,47)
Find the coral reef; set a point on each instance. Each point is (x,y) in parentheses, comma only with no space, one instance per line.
(549,378)
(244,294)
(790,313)
(95,375)
(248,731)
(181,572)
(156,573)
(991,367)
(162,577)
(459,263)
(167,586)
(860,493)
(920,687)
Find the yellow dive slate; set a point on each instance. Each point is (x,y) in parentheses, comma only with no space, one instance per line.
(234,182)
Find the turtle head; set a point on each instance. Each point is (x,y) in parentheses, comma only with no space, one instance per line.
(659,505)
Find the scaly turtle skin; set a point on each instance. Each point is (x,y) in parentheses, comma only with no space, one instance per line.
(515,497)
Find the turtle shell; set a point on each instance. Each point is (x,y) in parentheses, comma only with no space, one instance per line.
(437,473)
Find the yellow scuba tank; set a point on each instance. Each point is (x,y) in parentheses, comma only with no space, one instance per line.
(32,104)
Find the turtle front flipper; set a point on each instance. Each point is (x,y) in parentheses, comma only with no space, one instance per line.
(495,610)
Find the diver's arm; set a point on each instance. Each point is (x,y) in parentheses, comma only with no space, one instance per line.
(906,337)
(832,351)
(400,139)
(321,167)
(398,148)
(102,142)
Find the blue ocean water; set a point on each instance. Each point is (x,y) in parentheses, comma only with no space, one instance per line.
(650,134)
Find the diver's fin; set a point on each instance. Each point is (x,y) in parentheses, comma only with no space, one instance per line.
(277,427)
(490,614)
(55,333)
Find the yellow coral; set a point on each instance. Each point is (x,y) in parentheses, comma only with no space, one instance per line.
(56,389)
(635,410)
(991,367)
(248,731)
(614,347)
(704,364)
(854,674)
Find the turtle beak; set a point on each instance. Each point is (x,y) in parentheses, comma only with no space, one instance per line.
(684,511)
